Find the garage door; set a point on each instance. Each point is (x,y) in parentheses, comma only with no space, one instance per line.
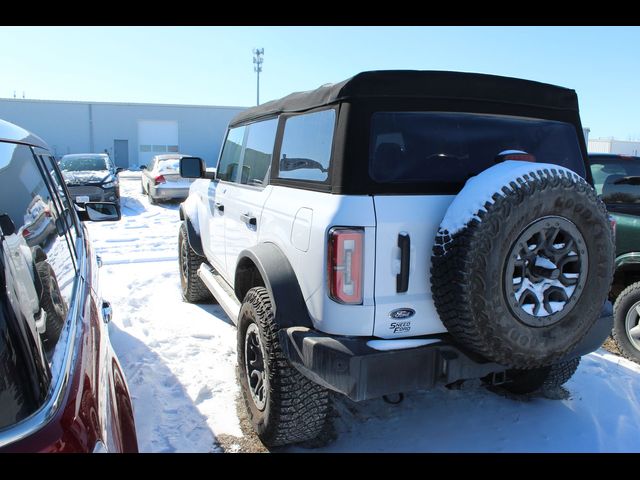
(156,137)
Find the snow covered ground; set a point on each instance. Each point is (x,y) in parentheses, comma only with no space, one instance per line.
(180,364)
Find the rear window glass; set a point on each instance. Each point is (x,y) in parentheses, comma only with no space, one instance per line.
(452,147)
(171,165)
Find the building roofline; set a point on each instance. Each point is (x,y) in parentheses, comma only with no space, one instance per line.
(121,104)
(609,139)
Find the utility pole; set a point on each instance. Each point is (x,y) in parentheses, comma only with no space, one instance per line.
(257,67)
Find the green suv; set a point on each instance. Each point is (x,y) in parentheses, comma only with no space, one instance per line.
(617,179)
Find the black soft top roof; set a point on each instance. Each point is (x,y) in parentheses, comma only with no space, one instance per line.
(420,84)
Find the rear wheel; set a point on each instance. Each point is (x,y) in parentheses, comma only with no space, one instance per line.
(626,322)
(284,406)
(193,289)
(530,381)
(52,303)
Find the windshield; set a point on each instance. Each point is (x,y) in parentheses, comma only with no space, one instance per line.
(75,164)
(452,147)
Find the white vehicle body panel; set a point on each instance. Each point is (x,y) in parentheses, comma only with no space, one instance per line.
(310,267)
(420,217)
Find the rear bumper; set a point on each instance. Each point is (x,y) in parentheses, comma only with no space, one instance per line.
(169,193)
(348,365)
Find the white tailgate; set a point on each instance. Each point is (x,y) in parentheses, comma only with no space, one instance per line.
(420,217)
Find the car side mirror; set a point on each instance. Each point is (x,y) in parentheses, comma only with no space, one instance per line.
(143,167)
(6,225)
(194,167)
(100,212)
(119,169)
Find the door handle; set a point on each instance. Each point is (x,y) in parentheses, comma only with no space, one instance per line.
(248,219)
(219,207)
(402,279)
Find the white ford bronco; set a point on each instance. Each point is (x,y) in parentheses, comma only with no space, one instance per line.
(398,230)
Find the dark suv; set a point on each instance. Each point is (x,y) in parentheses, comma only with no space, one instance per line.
(617,179)
(61,386)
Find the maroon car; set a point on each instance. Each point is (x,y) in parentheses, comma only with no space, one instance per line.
(61,385)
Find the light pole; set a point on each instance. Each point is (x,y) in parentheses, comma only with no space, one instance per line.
(257,67)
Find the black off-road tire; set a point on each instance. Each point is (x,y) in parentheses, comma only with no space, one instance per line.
(295,408)
(191,285)
(544,378)
(52,302)
(468,271)
(627,300)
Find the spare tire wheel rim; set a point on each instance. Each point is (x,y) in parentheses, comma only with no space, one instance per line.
(632,325)
(255,367)
(546,271)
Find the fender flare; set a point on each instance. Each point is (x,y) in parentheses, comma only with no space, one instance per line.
(289,307)
(627,260)
(192,235)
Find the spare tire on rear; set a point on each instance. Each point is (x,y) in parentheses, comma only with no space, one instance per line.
(520,275)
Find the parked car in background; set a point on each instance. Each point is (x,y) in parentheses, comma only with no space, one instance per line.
(617,179)
(61,386)
(161,179)
(91,177)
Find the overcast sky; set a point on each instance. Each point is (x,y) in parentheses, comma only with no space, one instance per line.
(213,65)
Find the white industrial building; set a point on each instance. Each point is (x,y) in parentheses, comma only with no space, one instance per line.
(611,145)
(131,133)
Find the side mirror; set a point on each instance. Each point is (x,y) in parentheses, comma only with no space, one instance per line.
(143,167)
(100,212)
(192,167)
(119,169)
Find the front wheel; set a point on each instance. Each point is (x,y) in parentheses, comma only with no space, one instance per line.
(626,322)
(284,406)
(192,287)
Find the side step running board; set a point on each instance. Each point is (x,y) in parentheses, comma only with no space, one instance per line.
(221,290)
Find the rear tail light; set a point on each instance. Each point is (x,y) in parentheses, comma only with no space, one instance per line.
(345,264)
(160,179)
(25,232)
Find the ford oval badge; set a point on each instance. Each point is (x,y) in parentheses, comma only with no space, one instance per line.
(400,313)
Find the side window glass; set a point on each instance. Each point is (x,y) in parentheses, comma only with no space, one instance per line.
(24,376)
(306,146)
(258,152)
(231,153)
(38,244)
(64,204)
